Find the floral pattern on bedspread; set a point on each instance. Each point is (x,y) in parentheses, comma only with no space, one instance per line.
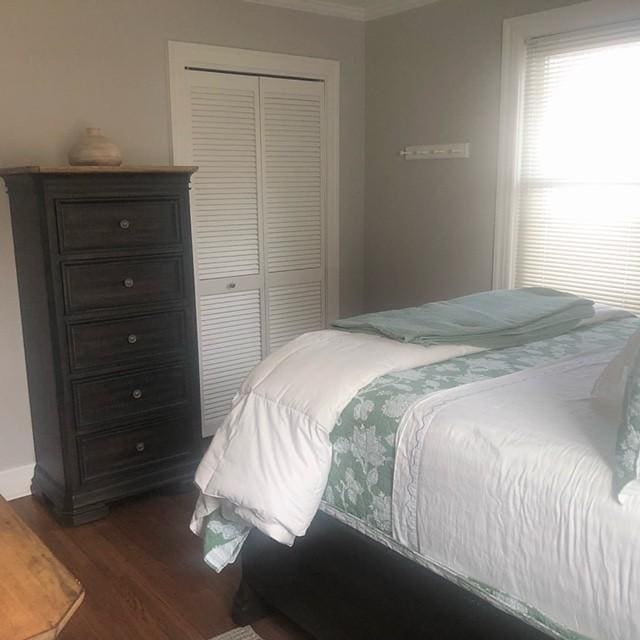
(361,476)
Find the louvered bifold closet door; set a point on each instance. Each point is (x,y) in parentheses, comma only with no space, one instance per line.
(293,173)
(225,204)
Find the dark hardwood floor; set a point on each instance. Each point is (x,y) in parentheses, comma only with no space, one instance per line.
(143,573)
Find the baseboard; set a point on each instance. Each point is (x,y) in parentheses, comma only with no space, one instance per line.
(16,482)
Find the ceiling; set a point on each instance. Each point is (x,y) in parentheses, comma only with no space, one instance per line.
(351,9)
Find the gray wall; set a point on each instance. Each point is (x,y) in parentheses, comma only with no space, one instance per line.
(72,63)
(433,76)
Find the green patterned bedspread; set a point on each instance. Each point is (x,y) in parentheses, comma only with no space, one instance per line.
(361,476)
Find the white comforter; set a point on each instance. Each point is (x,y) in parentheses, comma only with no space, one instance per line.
(507,482)
(268,463)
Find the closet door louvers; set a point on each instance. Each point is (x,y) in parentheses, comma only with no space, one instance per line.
(258,208)
(225,141)
(231,345)
(293,159)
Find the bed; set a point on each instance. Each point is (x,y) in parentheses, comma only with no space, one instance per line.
(466,496)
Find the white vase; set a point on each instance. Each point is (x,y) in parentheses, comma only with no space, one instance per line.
(95,149)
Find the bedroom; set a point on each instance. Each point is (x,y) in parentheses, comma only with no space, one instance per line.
(408,232)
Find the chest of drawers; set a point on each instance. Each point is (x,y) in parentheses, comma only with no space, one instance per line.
(105,277)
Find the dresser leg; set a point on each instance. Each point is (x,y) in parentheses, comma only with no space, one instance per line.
(68,517)
(81,516)
(37,491)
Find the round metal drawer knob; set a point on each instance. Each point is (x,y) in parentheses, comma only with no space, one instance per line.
(140,446)
(136,394)
(231,285)
(124,223)
(132,338)
(128,283)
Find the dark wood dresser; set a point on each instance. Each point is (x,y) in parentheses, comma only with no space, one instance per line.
(105,276)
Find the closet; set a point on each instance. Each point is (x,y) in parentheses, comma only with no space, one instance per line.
(259,222)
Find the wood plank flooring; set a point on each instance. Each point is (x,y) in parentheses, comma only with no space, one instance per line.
(143,573)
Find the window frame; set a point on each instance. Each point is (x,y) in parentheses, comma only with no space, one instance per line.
(515,33)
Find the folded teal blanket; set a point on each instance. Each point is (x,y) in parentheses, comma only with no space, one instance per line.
(491,319)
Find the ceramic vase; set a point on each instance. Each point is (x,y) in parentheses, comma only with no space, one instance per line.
(95,149)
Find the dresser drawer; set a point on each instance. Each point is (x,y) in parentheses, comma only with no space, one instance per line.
(120,451)
(127,396)
(86,225)
(100,285)
(94,344)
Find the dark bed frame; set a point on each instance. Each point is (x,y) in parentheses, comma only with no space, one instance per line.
(337,584)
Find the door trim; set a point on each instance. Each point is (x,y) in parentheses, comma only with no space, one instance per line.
(246,61)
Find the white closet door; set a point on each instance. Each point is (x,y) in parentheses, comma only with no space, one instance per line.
(226,205)
(294,183)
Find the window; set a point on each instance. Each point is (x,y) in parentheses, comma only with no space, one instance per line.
(574,207)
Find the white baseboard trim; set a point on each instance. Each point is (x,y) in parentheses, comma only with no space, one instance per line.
(16,482)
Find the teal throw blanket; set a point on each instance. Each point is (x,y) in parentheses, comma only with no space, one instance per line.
(491,319)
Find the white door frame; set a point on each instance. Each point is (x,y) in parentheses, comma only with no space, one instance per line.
(214,58)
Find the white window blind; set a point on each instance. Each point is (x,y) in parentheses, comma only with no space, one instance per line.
(578,205)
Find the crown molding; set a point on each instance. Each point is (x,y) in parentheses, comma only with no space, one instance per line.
(322,7)
(382,8)
(377,9)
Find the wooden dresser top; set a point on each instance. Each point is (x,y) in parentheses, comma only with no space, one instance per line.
(74,170)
